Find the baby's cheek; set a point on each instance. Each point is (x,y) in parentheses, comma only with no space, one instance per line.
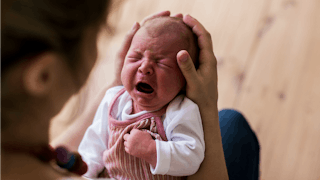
(126,75)
(182,83)
(181,78)
(176,82)
(123,74)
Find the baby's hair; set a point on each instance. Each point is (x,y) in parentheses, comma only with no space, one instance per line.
(176,24)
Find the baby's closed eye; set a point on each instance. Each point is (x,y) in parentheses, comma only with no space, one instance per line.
(133,58)
(134,55)
(165,62)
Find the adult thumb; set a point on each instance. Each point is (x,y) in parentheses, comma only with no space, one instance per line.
(186,66)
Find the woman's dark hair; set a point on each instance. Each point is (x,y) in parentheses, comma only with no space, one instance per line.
(30,27)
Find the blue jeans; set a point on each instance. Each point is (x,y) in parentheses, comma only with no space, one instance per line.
(240,146)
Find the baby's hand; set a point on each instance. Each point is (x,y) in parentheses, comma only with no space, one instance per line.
(140,144)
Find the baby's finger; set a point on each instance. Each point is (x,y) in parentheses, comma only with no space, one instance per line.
(134,131)
(187,67)
(125,137)
(162,13)
(127,150)
(204,37)
(179,15)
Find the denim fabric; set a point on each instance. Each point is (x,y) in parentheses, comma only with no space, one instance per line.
(240,146)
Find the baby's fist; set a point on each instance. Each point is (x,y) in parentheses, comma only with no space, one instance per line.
(140,144)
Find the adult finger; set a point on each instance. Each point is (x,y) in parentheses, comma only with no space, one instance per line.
(127,41)
(187,67)
(162,13)
(179,15)
(204,37)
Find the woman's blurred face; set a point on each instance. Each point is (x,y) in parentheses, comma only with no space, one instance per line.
(71,79)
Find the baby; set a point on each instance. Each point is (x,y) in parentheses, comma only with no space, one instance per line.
(148,129)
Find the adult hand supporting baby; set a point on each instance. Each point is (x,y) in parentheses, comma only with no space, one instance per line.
(202,89)
(141,145)
(201,83)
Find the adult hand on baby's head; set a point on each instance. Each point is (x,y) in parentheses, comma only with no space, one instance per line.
(201,83)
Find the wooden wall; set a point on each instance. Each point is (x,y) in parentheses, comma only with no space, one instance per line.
(268,55)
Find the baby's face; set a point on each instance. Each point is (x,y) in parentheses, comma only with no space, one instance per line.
(150,73)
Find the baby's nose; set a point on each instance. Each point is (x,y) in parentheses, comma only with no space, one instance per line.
(146,67)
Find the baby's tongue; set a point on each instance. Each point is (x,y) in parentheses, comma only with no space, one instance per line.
(146,88)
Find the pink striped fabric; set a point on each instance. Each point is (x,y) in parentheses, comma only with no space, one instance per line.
(119,164)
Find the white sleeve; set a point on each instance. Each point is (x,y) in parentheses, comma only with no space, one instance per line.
(183,153)
(95,140)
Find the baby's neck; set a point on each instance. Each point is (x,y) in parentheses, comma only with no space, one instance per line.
(136,109)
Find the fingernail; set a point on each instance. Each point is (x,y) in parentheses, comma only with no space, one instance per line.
(134,27)
(184,57)
(190,16)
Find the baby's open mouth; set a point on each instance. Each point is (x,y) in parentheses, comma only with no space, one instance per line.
(145,88)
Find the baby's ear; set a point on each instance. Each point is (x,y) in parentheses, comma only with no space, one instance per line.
(39,74)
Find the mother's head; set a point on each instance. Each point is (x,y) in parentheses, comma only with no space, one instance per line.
(48,50)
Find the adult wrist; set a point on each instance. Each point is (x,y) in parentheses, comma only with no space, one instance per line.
(208,105)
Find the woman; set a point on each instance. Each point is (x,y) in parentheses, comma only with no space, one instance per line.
(48,50)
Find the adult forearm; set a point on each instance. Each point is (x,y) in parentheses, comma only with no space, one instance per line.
(213,167)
